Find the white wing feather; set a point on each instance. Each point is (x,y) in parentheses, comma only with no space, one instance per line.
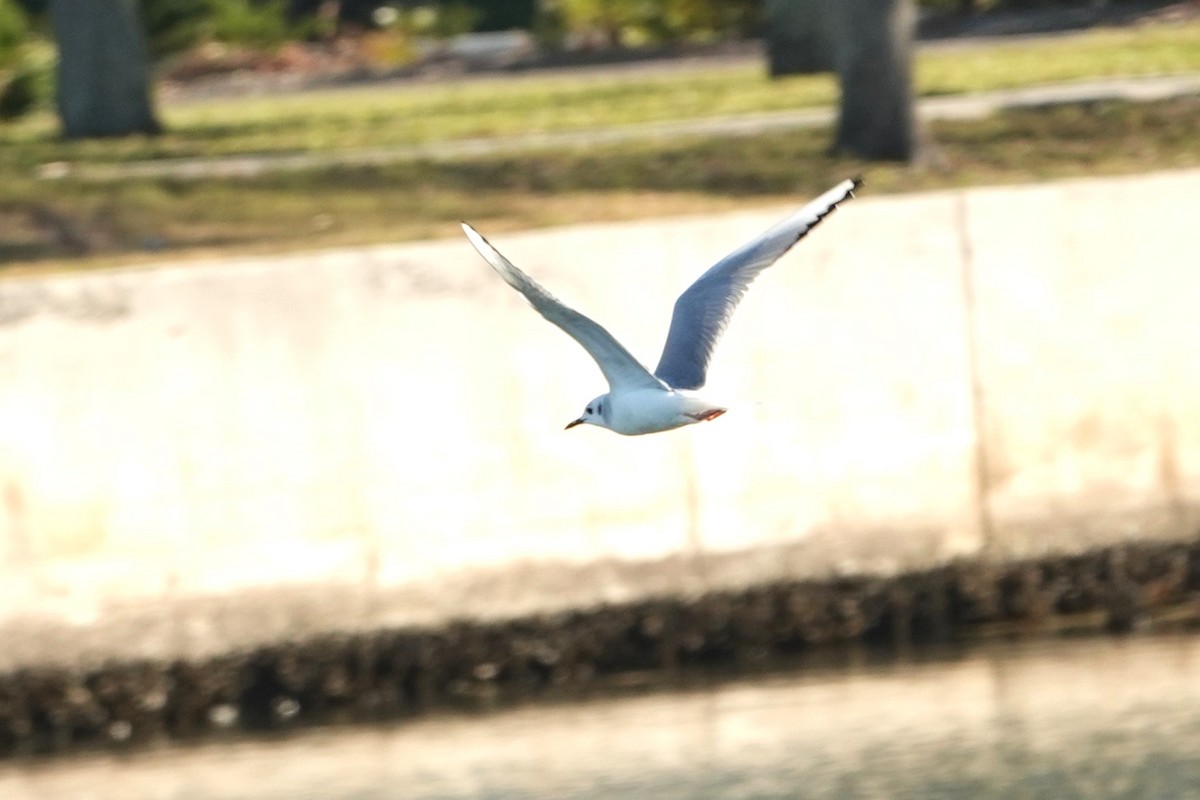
(621,370)
(703,311)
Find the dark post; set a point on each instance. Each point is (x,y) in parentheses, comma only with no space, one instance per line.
(799,37)
(103,77)
(874,57)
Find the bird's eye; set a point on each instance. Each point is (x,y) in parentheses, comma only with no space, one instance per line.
(588,409)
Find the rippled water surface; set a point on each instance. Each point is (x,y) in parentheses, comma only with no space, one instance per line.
(1066,719)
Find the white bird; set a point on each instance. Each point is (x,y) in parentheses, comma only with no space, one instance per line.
(639,401)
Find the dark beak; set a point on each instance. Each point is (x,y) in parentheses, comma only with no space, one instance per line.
(573,423)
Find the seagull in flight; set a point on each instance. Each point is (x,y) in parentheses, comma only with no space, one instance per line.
(640,401)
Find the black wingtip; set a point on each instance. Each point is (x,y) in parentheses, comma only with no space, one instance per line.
(856,182)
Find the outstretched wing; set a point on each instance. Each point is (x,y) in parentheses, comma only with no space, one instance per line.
(620,369)
(703,311)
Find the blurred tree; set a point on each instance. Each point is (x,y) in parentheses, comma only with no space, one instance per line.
(103,80)
(799,37)
(874,64)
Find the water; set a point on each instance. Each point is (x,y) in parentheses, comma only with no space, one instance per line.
(1106,718)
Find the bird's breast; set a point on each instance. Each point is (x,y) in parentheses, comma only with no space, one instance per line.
(650,411)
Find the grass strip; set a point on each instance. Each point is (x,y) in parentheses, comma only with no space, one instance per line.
(50,223)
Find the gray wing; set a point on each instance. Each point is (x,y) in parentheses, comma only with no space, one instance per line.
(703,311)
(620,369)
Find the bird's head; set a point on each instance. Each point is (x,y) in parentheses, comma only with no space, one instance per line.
(595,413)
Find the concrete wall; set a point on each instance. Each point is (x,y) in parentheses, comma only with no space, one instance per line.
(204,456)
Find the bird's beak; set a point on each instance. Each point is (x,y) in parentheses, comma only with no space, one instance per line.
(573,423)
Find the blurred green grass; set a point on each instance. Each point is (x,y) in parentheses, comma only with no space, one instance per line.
(420,199)
(49,223)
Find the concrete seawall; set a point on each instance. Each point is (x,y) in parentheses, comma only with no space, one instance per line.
(203,457)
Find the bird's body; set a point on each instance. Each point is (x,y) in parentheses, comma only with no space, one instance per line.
(637,411)
(638,401)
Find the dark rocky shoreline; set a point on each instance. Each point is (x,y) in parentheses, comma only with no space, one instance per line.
(390,675)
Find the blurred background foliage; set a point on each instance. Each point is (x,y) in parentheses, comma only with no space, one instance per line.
(388,34)
(174,26)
